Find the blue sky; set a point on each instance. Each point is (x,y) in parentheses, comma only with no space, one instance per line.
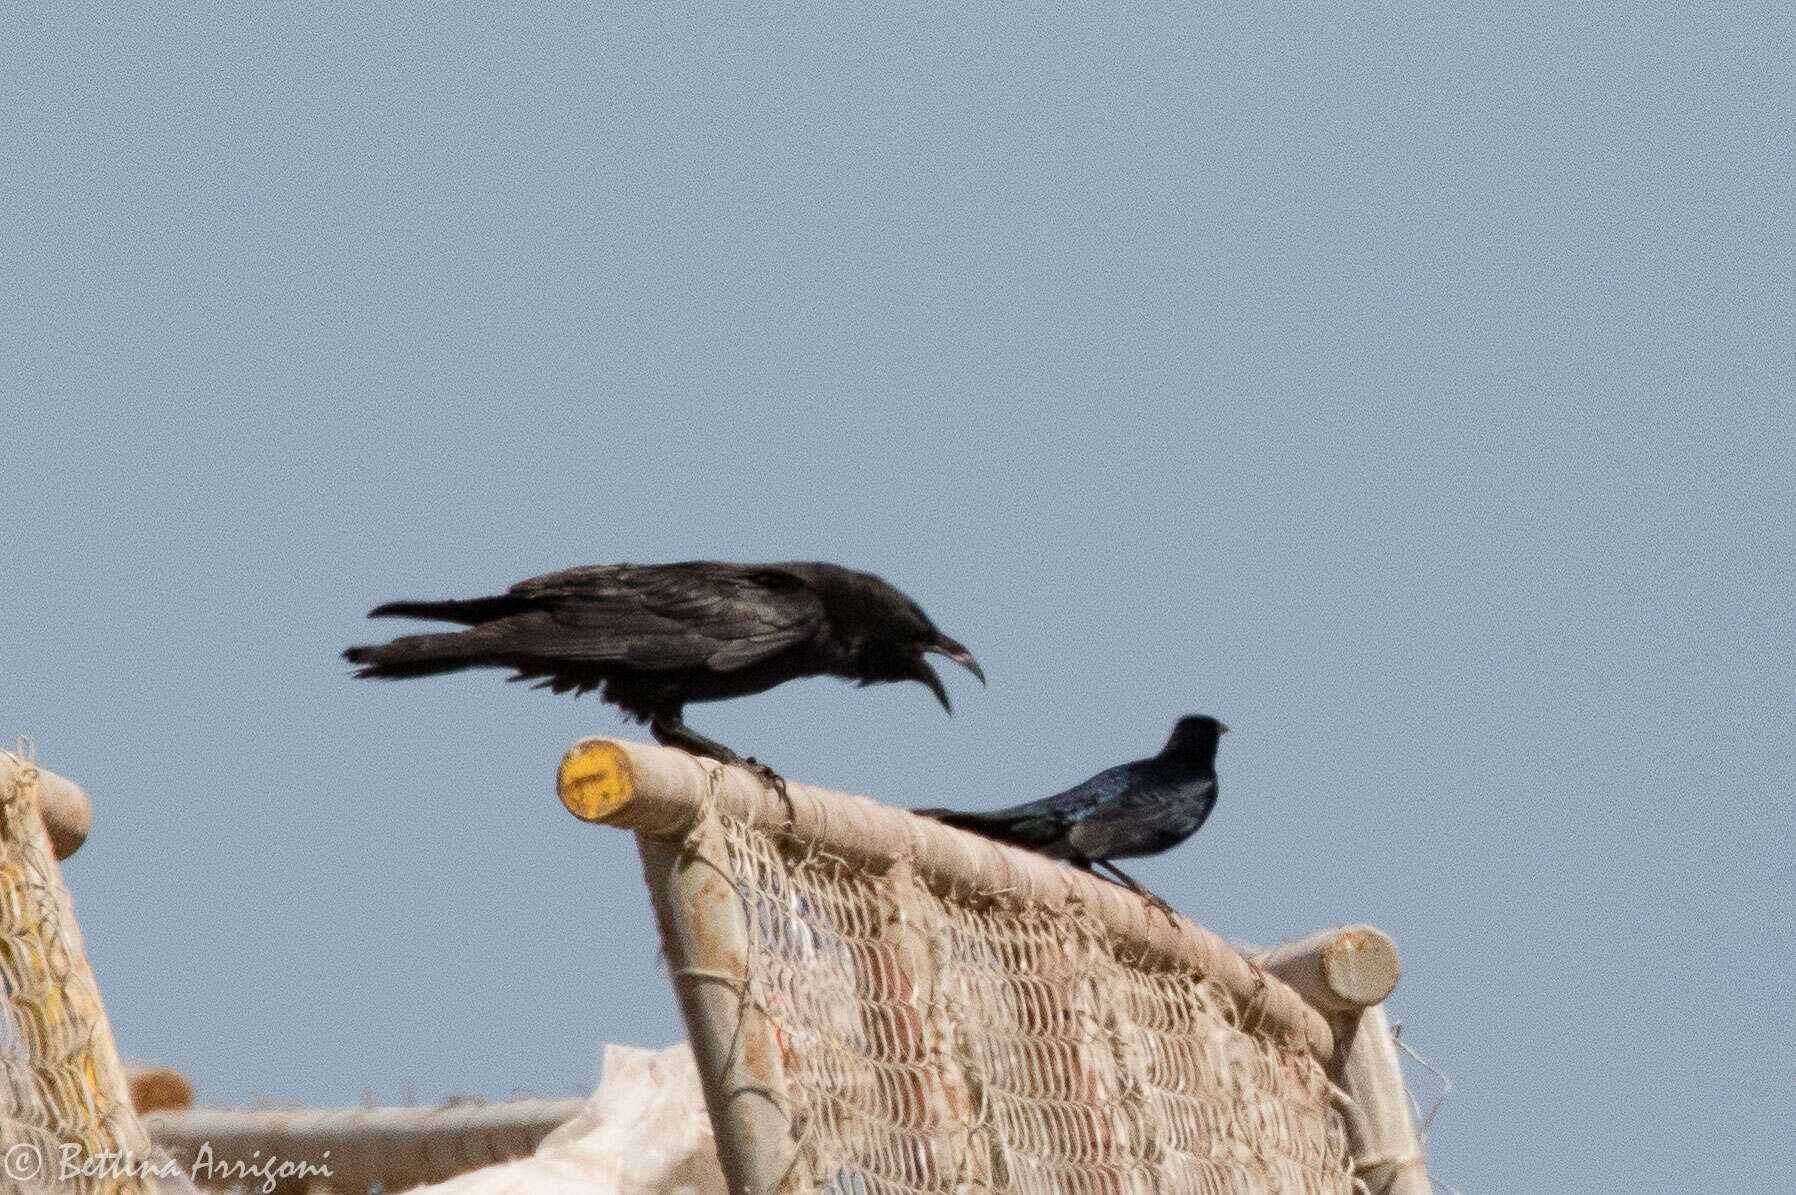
(1409,387)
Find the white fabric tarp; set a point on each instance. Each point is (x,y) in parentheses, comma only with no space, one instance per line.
(643,1132)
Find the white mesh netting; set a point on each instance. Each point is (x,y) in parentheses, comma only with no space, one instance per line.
(957,1043)
(61,1083)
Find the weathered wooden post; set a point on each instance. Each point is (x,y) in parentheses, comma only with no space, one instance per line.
(78,1096)
(685,862)
(67,813)
(352,1149)
(1347,974)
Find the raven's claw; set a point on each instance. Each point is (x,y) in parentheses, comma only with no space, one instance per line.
(766,775)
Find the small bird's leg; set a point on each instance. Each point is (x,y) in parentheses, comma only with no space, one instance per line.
(671,731)
(1129,883)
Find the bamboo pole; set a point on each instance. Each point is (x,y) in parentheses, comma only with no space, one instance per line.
(68,814)
(1348,973)
(705,935)
(357,1147)
(659,792)
(1338,970)
(1387,1154)
(48,984)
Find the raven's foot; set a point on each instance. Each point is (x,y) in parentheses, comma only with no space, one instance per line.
(766,775)
(672,732)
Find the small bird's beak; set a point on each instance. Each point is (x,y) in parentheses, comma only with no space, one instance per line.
(1221,729)
(945,646)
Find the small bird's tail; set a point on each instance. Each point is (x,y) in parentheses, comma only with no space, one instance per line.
(976,822)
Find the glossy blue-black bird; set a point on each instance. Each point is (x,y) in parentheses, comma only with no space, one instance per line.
(1133,809)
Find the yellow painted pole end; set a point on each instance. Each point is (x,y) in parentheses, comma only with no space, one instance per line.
(595,780)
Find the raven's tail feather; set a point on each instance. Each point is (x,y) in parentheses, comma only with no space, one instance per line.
(420,655)
(469,612)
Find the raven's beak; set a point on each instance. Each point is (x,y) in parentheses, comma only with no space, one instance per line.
(944,646)
(928,676)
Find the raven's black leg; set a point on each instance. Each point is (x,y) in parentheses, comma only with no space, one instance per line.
(670,731)
(1129,883)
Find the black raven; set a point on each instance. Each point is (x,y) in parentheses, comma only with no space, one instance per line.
(1133,809)
(654,637)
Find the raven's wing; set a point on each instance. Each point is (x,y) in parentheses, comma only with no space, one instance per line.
(662,617)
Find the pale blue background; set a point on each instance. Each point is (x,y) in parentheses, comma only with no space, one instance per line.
(1407,385)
